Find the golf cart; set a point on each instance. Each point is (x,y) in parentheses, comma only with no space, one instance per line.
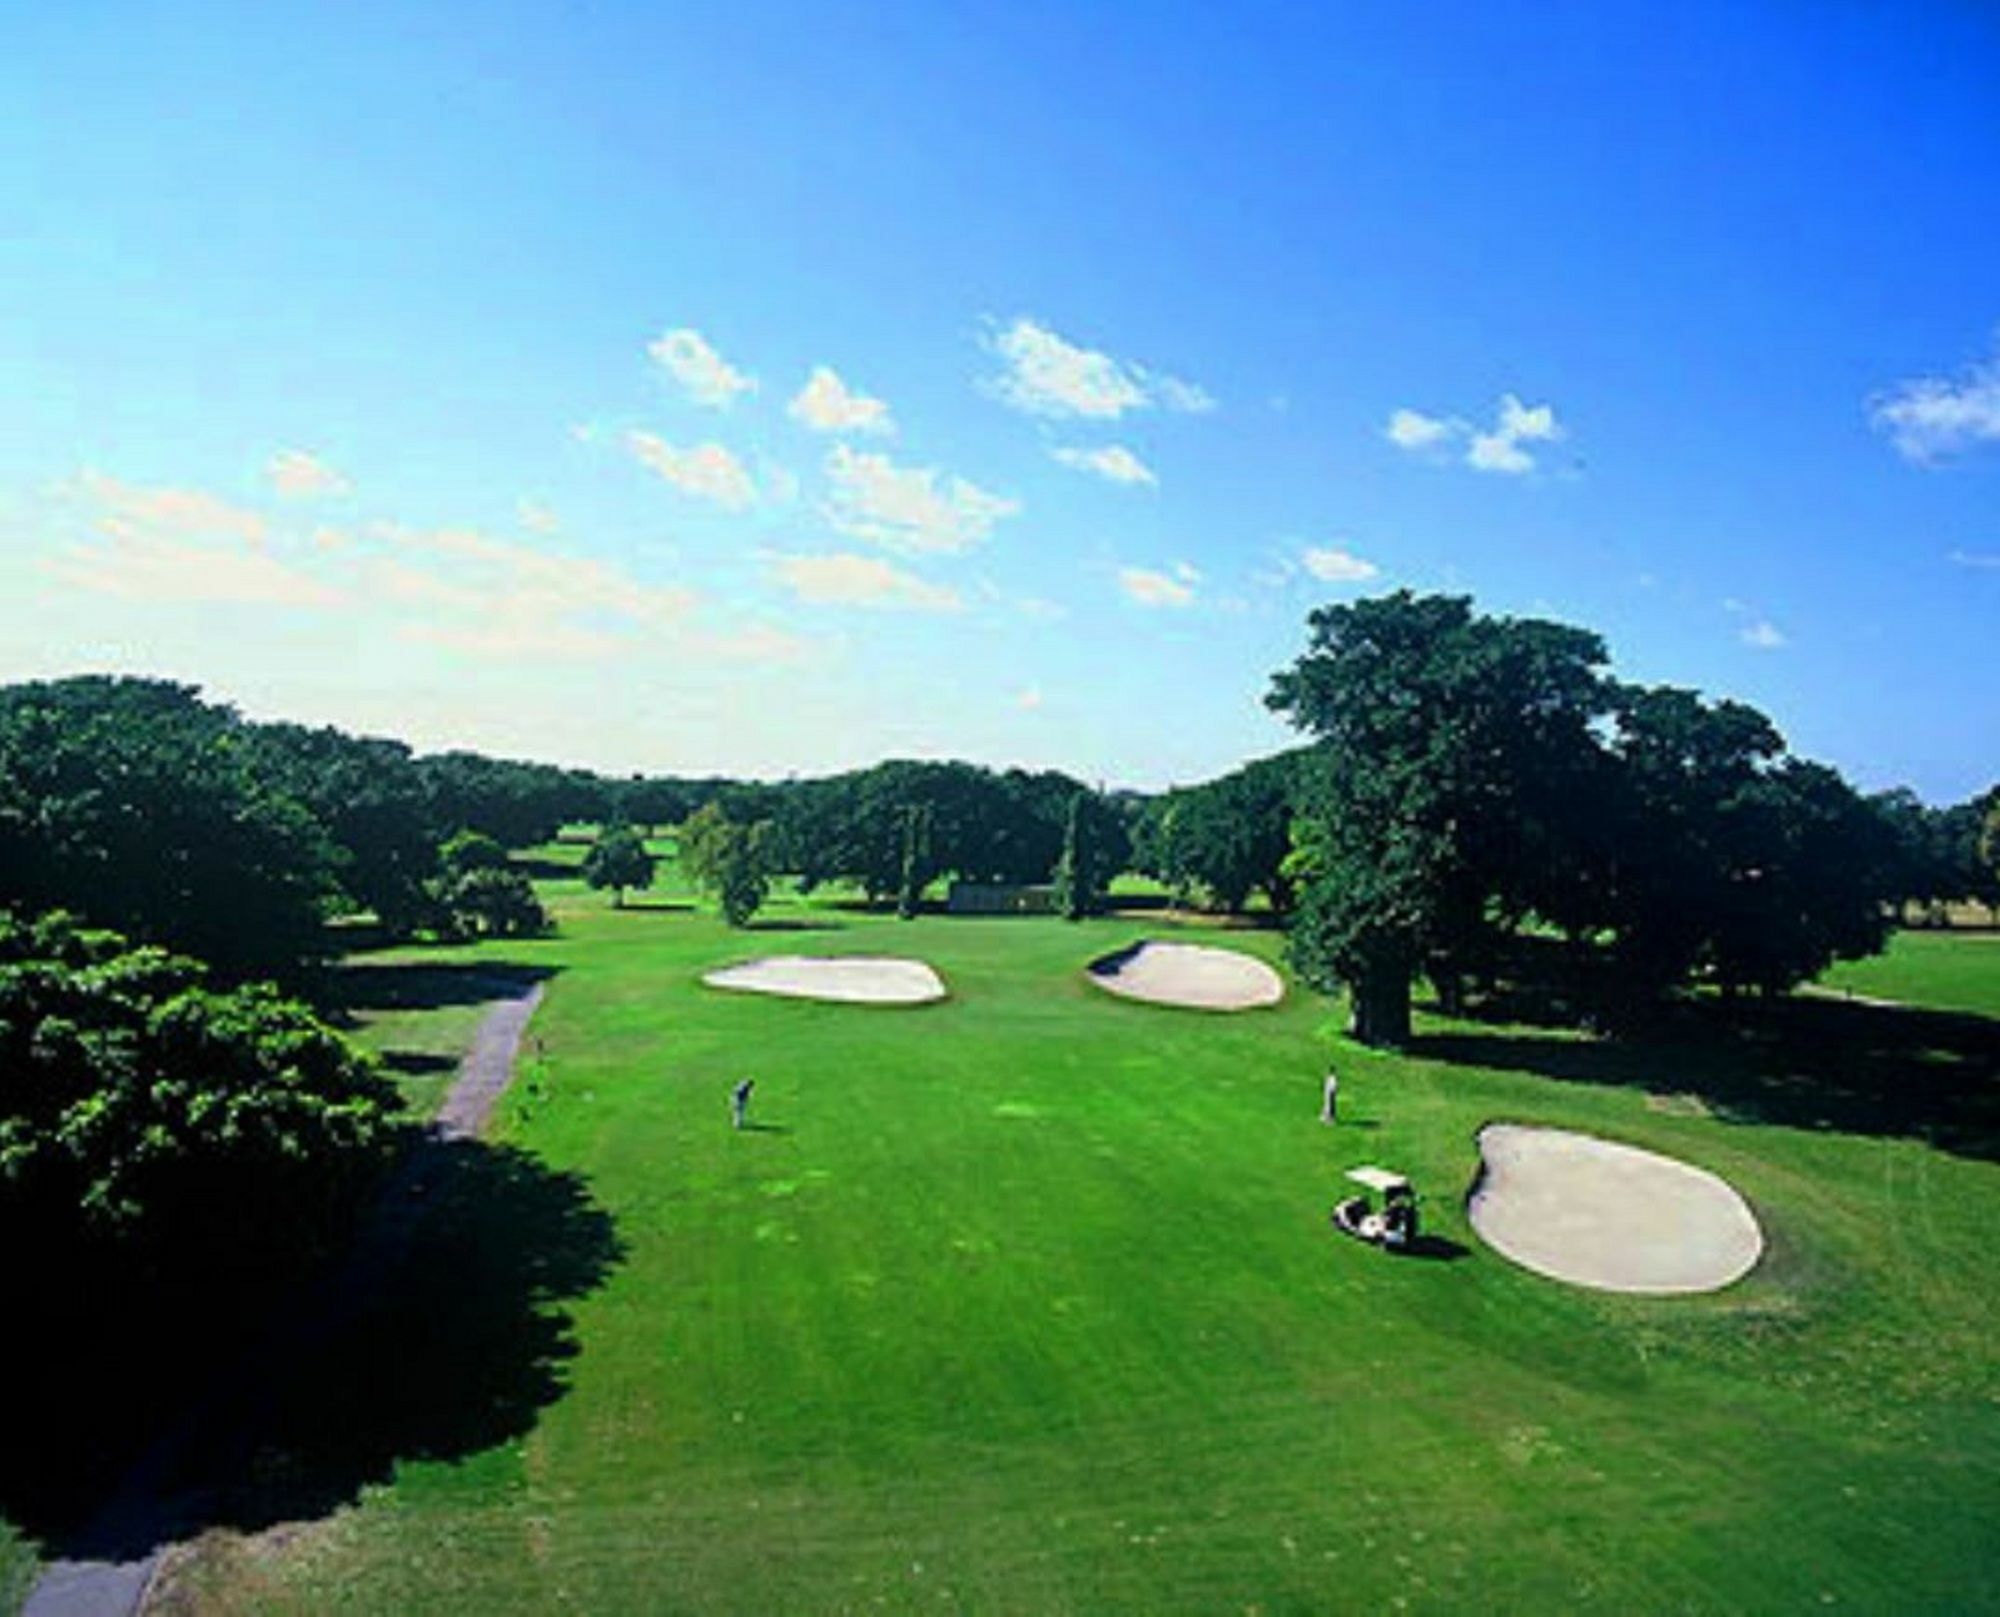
(1393,1225)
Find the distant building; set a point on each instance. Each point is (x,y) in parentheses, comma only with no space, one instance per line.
(999,898)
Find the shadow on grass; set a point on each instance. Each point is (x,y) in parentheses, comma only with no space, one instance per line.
(418,985)
(782,925)
(1435,1249)
(442,1335)
(417,1063)
(1798,1062)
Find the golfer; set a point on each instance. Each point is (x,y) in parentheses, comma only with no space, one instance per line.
(739,1102)
(1330,1096)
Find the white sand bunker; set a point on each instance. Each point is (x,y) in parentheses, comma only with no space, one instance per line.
(1610,1216)
(851,979)
(1189,974)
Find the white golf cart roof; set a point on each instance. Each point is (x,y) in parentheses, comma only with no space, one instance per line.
(1378,1179)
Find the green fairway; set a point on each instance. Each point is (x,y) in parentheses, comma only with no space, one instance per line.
(1944,970)
(1028,1302)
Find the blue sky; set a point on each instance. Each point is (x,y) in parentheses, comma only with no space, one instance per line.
(771,389)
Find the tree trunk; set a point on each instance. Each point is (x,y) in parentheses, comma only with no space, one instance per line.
(1381,1008)
(617,898)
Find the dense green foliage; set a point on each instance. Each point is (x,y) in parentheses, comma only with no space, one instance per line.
(134,804)
(143,1113)
(1945,855)
(731,860)
(1472,772)
(1226,838)
(618,859)
(477,894)
(1094,848)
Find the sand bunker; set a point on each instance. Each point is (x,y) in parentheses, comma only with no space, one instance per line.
(1189,974)
(850,979)
(1610,1216)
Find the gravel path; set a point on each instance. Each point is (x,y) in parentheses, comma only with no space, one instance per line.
(119,1588)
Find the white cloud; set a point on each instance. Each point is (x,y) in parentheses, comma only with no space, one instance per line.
(1515,424)
(1046,375)
(850,580)
(827,404)
(1412,429)
(1495,452)
(1933,417)
(1974,558)
(1498,449)
(1029,698)
(1150,588)
(299,476)
(1763,634)
(1332,565)
(537,517)
(913,509)
(703,374)
(1115,463)
(179,546)
(707,471)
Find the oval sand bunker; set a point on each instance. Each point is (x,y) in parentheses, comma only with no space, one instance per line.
(1189,974)
(848,979)
(1611,1216)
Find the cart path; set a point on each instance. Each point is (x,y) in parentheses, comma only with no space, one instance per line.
(85,1588)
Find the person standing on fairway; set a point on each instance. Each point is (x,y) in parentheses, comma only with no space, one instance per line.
(739,1102)
(1330,1096)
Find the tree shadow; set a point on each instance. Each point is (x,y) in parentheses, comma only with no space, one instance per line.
(785,925)
(1800,1062)
(417,1063)
(659,906)
(441,1335)
(418,985)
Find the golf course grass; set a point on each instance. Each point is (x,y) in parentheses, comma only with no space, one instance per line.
(1942,970)
(1027,1301)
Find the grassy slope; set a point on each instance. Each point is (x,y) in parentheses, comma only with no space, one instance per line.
(1947,971)
(1032,1305)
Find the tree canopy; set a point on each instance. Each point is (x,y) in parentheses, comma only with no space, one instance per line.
(1471,772)
(147,1115)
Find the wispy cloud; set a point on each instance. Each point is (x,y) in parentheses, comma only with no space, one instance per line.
(1496,449)
(703,375)
(178,546)
(297,475)
(706,471)
(846,579)
(1332,565)
(1933,418)
(469,592)
(1764,635)
(1413,430)
(1047,375)
(1985,559)
(912,509)
(828,404)
(1151,588)
(1028,698)
(1114,463)
(537,517)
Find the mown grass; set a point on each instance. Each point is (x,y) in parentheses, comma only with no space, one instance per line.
(1027,1302)
(1944,970)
